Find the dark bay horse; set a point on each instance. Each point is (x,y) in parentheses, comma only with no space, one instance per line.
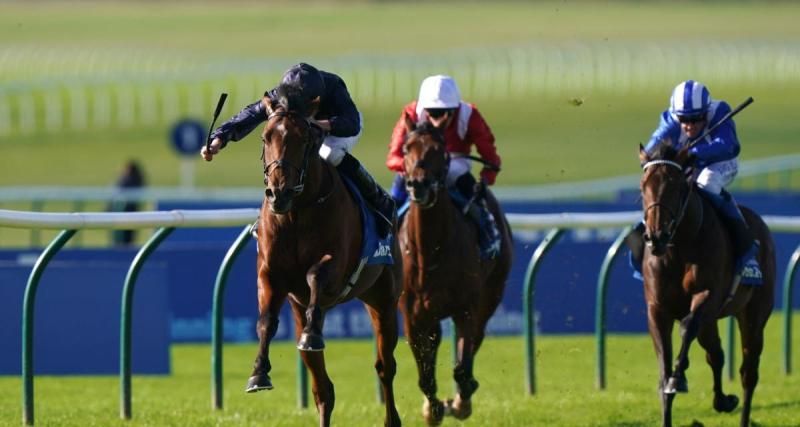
(309,244)
(443,275)
(688,276)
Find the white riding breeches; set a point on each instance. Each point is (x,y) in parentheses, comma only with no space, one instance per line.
(458,166)
(334,148)
(716,176)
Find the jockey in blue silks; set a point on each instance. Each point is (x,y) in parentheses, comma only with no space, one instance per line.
(713,160)
(337,116)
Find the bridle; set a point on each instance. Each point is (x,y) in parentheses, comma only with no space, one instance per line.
(677,217)
(281,162)
(438,181)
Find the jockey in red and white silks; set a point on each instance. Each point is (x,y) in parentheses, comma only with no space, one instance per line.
(463,126)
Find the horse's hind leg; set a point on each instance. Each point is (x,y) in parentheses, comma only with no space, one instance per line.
(384,323)
(321,385)
(708,338)
(269,307)
(751,328)
(424,336)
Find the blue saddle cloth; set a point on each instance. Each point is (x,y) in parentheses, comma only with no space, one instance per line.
(374,250)
(487,249)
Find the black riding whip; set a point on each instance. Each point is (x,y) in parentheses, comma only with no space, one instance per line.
(222,97)
(724,119)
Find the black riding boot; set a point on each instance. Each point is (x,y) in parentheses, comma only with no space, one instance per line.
(477,210)
(373,193)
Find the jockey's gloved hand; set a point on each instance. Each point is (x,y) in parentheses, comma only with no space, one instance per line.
(317,129)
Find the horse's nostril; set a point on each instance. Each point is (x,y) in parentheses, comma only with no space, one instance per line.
(269,193)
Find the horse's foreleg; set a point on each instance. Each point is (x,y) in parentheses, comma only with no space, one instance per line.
(424,337)
(321,385)
(466,329)
(660,327)
(708,338)
(269,307)
(311,338)
(690,326)
(384,323)
(751,328)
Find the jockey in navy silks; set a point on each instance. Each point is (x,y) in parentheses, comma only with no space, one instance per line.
(462,126)
(713,160)
(338,118)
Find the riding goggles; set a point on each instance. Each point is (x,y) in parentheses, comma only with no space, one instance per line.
(692,119)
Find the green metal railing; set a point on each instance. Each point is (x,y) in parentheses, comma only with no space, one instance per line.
(529,289)
(217,309)
(600,305)
(187,218)
(29,303)
(126,316)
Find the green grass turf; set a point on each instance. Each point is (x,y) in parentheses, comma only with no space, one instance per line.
(286,29)
(566,388)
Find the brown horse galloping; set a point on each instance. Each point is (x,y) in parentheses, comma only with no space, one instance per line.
(443,274)
(309,244)
(688,276)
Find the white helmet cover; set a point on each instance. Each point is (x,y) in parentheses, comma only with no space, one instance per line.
(439,92)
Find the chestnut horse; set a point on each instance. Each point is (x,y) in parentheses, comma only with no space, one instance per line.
(688,276)
(443,274)
(309,245)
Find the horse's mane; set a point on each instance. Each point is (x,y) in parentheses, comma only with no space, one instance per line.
(290,99)
(427,128)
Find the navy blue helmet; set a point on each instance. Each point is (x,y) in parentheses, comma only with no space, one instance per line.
(306,78)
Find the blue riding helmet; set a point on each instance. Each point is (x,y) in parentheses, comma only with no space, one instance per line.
(689,98)
(306,78)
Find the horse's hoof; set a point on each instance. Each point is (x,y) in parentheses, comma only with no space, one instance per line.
(460,409)
(727,403)
(258,383)
(433,412)
(310,342)
(676,385)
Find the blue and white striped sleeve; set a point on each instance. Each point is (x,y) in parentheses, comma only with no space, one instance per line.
(722,144)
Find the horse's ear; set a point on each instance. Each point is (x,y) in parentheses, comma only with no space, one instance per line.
(267,103)
(643,157)
(410,125)
(313,107)
(683,156)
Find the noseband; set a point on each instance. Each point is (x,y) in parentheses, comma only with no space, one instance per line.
(281,162)
(677,217)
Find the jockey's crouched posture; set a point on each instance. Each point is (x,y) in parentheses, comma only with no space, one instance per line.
(713,161)
(337,116)
(462,126)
